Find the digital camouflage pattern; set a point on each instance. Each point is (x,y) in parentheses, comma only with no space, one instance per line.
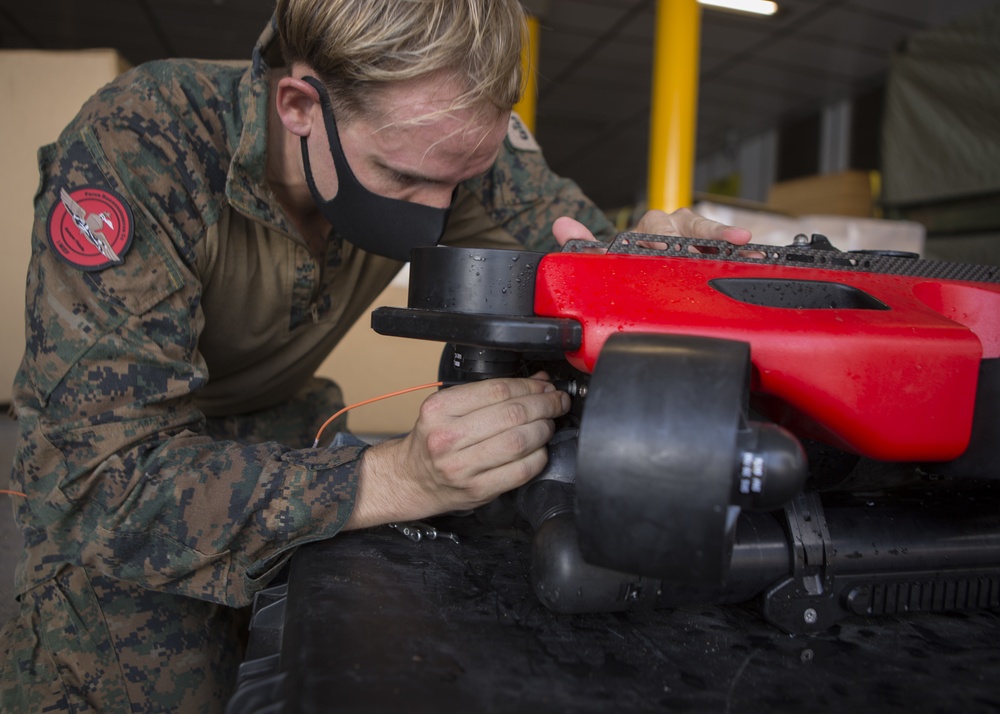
(85,642)
(164,465)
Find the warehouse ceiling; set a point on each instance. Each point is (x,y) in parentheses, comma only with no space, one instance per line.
(595,62)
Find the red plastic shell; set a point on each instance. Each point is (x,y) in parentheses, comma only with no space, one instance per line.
(895,384)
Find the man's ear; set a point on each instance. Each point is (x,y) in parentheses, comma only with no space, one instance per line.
(296,101)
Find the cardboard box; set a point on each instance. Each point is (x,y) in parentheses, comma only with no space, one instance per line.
(846,193)
(366,364)
(42,92)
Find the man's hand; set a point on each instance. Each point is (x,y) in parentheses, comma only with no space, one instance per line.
(470,444)
(683,222)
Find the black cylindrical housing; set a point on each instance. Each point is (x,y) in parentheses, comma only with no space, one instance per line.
(771,467)
(473,280)
(566,583)
(900,542)
(939,532)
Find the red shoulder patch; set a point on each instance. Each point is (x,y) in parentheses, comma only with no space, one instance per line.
(90,228)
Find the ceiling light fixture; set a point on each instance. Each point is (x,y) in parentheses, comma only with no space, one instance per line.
(753,7)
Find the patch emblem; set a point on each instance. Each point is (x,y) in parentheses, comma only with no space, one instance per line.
(519,136)
(90,228)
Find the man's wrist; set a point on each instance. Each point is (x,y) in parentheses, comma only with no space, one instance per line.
(381,495)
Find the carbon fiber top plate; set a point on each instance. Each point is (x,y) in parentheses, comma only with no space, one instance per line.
(792,257)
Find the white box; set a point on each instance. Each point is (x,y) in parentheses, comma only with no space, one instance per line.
(844,232)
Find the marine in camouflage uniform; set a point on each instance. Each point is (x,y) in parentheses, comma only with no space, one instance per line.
(164,399)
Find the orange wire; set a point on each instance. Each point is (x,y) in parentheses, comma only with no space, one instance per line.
(13,493)
(369,401)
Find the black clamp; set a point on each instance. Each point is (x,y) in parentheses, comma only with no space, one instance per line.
(806,601)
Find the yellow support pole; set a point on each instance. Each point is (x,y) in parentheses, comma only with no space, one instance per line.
(529,66)
(675,104)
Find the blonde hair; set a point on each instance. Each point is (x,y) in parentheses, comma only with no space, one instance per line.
(357,45)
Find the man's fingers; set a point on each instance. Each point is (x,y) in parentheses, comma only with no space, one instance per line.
(566,229)
(508,476)
(464,399)
(465,467)
(683,222)
(707,229)
(737,236)
(687,224)
(510,415)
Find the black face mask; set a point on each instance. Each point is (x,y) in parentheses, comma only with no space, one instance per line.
(377,224)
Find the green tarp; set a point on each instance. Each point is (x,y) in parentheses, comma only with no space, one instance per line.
(941,131)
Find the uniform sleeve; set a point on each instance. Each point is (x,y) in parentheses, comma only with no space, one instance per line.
(520,198)
(113,455)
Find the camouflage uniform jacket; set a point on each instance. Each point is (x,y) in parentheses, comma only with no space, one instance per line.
(217,308)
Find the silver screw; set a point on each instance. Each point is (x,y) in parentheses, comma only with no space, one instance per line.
(810,616)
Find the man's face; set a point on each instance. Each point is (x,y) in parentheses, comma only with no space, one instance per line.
(410,148)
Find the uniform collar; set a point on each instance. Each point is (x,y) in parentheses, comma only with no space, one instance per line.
(246,186)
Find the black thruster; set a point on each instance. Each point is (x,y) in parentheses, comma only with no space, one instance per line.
(665,449)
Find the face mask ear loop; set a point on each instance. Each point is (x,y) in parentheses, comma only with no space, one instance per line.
(307,167)
(344,171)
